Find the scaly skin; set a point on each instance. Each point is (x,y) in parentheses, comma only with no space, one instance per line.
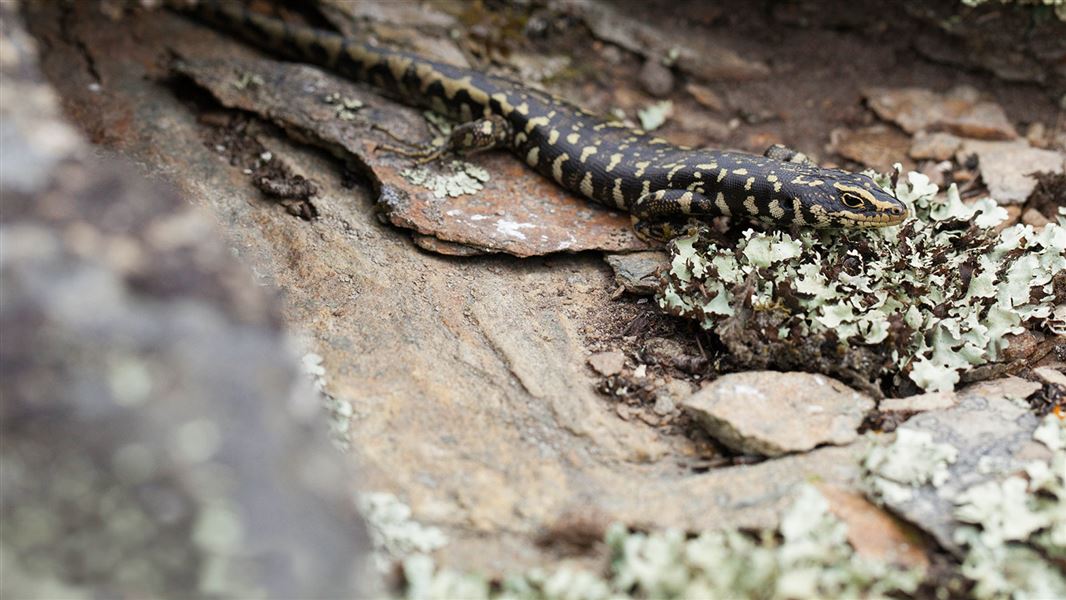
(659,183)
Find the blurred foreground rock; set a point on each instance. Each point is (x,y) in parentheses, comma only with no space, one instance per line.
(157,438)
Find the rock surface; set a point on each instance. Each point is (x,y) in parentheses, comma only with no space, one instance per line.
(656,78)
(460,385)
(958,111)
(1008,167)
(771,414)
(698,57)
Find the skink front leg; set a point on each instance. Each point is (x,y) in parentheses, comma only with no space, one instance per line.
(483,134)
(665,214)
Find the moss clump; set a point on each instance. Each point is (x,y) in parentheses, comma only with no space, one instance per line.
(884,309)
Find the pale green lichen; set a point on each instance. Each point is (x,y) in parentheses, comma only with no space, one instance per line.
(246,80)
(393,533)
(912,459)
(464,178)
(927,300)
(808,557)
(346,106)
(653,116)
(1017,526)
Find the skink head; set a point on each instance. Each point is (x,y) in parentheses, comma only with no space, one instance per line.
(835,198)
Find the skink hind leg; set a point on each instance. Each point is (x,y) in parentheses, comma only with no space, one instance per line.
(786,154)
(665,214)
(483,134)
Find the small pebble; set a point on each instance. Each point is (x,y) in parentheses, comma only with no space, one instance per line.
(656,79)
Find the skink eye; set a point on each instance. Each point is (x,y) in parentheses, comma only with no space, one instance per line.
(851,200)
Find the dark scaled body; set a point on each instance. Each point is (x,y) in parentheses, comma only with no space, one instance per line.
(658,182)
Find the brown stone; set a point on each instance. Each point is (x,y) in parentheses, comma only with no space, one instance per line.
(877,146)
(656,78)
(957,111)
(873,532)
(1035,218)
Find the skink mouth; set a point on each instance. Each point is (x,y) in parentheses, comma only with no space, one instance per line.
(878,220)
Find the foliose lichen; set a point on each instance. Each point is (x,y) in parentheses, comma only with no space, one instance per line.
(464,178)
(653,116)
(394,534)
(808,557)
(913,458)
(1017,526)
(924,301)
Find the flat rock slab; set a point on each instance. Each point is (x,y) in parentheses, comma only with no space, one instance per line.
(1008,167)
(517,211)
(958,111)
(772,413)
(992,431)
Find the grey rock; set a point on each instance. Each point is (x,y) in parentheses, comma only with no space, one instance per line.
(638,272)
(991,430)
(669,396)
(1050,375)
(773,413)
